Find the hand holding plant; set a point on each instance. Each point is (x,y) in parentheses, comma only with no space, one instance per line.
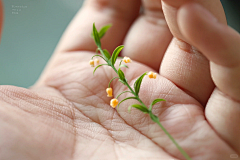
(110,61)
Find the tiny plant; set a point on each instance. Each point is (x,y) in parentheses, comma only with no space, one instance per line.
(110,61)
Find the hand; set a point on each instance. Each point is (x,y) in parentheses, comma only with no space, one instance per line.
(66,114)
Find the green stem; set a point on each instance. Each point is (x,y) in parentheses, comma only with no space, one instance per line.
(173,140)
(135,95)
(111,81)
(131,89)
(122,93)
(114,69)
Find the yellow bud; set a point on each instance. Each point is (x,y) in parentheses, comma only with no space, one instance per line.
(96,61)
(150,74)
(91,62)
(109,92)
(127,60)
(114,102)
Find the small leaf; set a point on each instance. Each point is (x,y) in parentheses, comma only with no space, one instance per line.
(123,65)
(120,62)
(125,100)
(103,30)
(96,36)
(138,82)
(98,67)
(154,117)
(115,54)
(106,54)
(154,102)
(121,75)
(138,106)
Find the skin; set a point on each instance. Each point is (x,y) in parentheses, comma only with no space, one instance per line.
(66,114)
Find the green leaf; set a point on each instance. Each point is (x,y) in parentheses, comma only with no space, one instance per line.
(98,67)
(138,106)
(125,100)
(123,65)
(106,54)
(121,75)
(103,30)
(154,102)
(115,54)
(154,117)
(96,36)
(138,82)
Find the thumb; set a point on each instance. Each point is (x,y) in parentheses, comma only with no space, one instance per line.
(218,42)
(221,45)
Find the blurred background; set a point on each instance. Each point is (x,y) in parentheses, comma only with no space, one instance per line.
(32,29)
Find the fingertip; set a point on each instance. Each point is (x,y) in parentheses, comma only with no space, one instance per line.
(218,42)
(191,17)
(183,19)
(202,30)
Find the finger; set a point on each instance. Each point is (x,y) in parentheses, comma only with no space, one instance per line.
(120,13)
(220,44)
(171,7)
(183,64)
(188,69)
(223,114)
(148,38)
(1,18)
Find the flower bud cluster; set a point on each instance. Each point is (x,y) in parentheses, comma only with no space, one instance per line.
(152,75)
(94,63)
(127,60)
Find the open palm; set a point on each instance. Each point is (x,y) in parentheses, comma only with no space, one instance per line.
(66,114)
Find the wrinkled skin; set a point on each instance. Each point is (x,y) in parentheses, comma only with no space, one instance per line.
(66,114)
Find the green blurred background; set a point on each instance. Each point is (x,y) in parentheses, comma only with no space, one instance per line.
(32,29)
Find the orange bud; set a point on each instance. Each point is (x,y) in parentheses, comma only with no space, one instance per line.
(150,74)
(114,102)
(109,92)
(127,60)
(91,62)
